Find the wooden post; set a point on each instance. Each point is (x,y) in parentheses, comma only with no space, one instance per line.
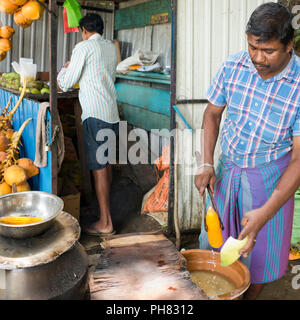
(53,87)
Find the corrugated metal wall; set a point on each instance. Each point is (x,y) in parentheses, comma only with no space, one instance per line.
(156,38)
(33,42)
(208,31)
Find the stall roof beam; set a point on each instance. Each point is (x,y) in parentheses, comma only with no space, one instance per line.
(143,14)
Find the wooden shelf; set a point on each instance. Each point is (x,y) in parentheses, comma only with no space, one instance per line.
(45,96)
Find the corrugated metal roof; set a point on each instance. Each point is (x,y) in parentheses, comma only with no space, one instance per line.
(33,42)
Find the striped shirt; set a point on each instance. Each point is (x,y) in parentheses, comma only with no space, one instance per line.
(93,66)
(262,116)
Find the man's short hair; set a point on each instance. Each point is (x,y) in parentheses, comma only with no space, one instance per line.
(92,22)
(271,21)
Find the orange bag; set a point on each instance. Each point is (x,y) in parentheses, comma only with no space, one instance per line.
(159,198)
(158,201)
(163,162)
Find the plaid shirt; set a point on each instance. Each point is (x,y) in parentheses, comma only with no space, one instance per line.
(262,115)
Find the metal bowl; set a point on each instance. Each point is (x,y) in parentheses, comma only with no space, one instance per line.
(30,203)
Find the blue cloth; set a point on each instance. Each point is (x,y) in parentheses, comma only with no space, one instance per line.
(263,116)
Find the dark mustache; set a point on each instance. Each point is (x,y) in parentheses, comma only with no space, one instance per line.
(261,65)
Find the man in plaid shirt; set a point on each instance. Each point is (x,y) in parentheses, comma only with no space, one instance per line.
(259,168)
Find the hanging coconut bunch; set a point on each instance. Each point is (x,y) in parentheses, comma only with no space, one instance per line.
(8,6)
(14,171)
(6,32)
(14,176)
(24,11)
(27,12)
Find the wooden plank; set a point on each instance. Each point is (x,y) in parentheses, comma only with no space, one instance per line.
(140,15)
(85,173)
(142,267)
(134,239)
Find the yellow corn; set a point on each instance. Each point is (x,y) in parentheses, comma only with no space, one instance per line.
(215,237)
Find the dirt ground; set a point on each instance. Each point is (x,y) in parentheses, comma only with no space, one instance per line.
(126,200)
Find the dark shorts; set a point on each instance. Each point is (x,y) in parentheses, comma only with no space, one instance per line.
(96,134)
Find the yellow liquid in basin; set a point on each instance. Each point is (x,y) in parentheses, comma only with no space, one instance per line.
(212,283)
(19,220)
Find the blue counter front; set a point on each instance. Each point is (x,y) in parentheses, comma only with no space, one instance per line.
(29,109)
(143,105)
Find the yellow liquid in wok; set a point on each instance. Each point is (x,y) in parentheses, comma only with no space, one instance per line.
(13,220)
(212,283)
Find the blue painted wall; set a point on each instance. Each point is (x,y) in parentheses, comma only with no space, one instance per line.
(145,107)
(29,109)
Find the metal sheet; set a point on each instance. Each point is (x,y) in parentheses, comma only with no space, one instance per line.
(207,33)
(40,250)
(155,38)
(189,203)
(33,42)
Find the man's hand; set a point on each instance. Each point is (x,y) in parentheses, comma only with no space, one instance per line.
(67,64)
(252,222)
(205,176)
(210,131)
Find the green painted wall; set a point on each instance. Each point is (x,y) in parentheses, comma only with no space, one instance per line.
(140,15)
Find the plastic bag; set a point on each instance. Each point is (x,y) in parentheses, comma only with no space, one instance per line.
(68,29)
(143,58)
(163,162)
(154,67)
(26,69)
(158,201)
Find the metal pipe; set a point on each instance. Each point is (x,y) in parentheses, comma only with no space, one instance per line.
(65,48)
(90,8)
(53,87)
(43,49)
(32,40)
(9,55)
(192,101)
(172,213)
(21,42)
(182,118)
